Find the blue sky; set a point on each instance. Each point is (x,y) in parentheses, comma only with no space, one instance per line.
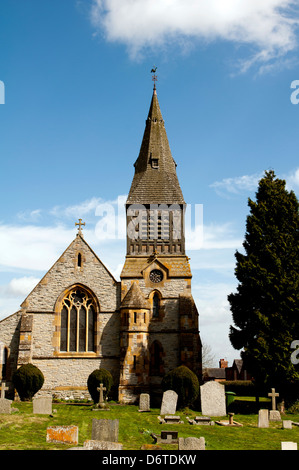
(77,91)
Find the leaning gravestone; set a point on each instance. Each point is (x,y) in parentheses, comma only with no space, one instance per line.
(169,403)
(42,405)
(212,396)
(105,430)
(144,402)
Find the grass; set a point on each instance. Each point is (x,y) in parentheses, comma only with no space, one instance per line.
(23,430)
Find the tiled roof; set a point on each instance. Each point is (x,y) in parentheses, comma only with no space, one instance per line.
(177,266)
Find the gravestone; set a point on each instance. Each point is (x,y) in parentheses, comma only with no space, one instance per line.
(169,402)
(3,389)
(63,434)
(101,445)
(144,402)
(289,446)
(263,420)
(286,424)
(192,443)
(274,414)
(201,420)
(5,406)
(212,396)
(42,405)
(105,430)
(166,437)
(170,419)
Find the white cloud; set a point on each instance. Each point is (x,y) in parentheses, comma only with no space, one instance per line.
(232,186)
(292,180)
(19,287)
(268,25)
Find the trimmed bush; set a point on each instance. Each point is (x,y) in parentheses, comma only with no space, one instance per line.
(242,388)
(94,380)
(184,382)
(28,380)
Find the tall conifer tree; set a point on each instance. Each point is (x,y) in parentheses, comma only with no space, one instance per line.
(265,307)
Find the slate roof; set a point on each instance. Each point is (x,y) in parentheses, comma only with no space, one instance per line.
(155,185)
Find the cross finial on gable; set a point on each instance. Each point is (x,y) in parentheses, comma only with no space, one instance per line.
(80,223)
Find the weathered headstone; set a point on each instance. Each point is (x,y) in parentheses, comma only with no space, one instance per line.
(169,402)
(102,445)
(263,420)
(101,389)
(286,424)
(212,396)
(273,395)
(5,406)
(274,415)
(105,430)
(144,402)
(42,405)
(192,443)
(289,446)
(63,434)
(3,389)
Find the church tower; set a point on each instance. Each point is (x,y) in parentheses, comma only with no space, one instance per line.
(159,319)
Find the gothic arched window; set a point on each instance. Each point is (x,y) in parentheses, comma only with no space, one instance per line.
(77,324)
(156,305)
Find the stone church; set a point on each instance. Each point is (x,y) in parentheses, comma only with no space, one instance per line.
(79,318)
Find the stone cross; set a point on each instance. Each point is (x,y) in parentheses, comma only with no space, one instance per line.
(273,395)
(101,389)
(80,226)
(3,388)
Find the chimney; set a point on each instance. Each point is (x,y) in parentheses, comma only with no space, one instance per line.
(223,363)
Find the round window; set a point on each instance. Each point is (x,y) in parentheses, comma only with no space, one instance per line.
(156,275)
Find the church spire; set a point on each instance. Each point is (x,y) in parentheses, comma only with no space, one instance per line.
(155,204)
(155,180)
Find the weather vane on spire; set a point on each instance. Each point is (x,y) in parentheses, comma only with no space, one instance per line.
(154,77)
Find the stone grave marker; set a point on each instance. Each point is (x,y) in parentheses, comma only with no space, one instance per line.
(286,424)
(63,434)
(166,437)
(42,405)
(263,420)
(201,420)
(101,405)
(170,419)
(274,414)
(169,403)
(212,396)
(5,406)
(289,446)
(3,389)
(101,445)
(105,430)
(144,402)
(192,443)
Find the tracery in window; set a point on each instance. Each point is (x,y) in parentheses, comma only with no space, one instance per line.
(78,319)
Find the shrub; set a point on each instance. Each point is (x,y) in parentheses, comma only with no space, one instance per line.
(94,380)
(28,380)
(184,382)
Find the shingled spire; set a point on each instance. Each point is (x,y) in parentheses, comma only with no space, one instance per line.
(155,180)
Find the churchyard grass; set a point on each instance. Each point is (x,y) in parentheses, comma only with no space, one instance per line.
(23,430)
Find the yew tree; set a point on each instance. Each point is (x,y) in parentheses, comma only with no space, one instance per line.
(265,307)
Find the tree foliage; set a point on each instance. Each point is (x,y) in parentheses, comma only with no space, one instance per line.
(184,382)
(28,380)
(94,380)
(265,307)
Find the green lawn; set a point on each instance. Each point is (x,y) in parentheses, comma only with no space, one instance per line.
(22,430)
